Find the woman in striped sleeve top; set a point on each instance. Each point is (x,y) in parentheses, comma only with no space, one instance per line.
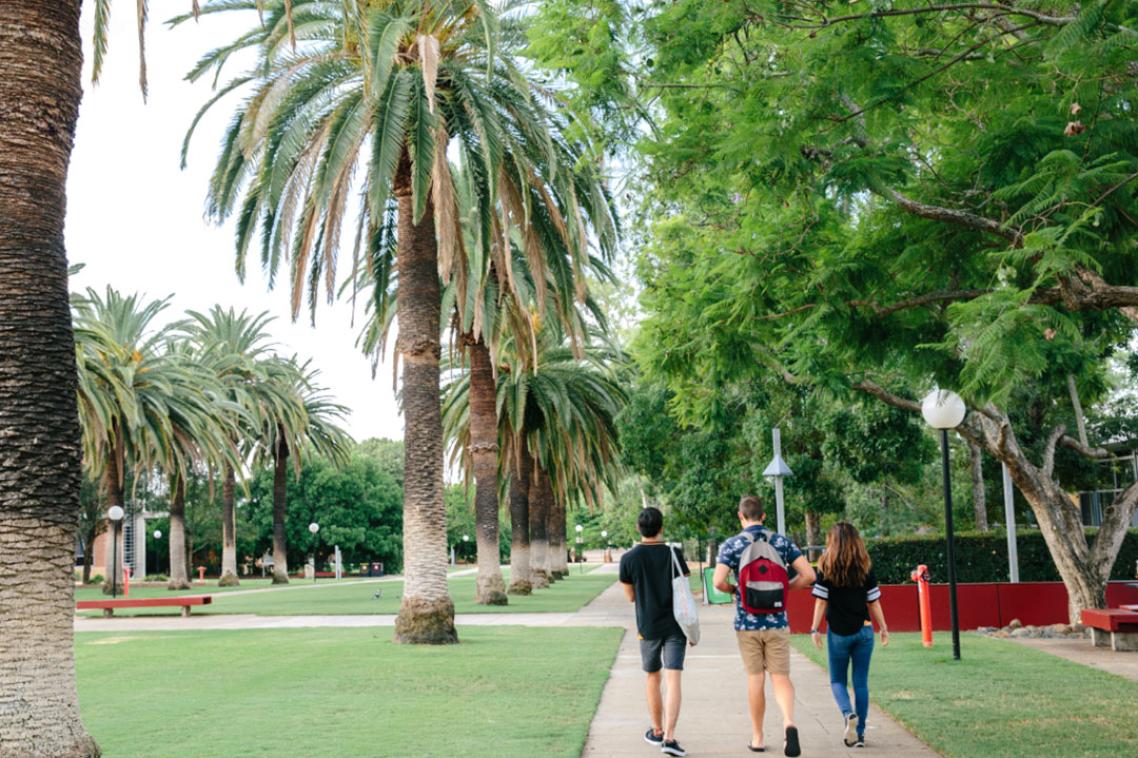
(846,592)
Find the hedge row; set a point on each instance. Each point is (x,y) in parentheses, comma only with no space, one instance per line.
(982,557)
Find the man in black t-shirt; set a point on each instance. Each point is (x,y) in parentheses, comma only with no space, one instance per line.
(646,572)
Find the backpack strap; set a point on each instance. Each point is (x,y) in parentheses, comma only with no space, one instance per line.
(675,564)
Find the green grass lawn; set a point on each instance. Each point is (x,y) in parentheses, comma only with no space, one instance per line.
(354,597)
(503,691)
(1001,699)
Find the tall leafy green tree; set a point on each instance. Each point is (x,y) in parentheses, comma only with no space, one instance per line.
(900,196)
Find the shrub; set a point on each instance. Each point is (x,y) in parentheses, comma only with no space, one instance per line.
(96,579)
(982,557)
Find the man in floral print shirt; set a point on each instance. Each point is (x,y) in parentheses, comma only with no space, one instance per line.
(764,640)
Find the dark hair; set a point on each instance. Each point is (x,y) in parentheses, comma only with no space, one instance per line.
(650,522)
(845,563)
(751,507)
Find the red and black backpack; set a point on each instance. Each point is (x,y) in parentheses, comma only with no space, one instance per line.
(763,578)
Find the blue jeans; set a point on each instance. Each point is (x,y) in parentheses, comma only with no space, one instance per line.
(857,647)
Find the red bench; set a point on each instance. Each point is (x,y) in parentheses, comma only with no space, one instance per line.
(1120,623)
(185,602)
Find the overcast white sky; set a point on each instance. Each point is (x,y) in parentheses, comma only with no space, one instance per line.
(136,220)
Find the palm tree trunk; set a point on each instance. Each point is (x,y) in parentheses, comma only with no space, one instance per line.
(540,497)
(228,529)
(179,575)
(491,588)
(113,488)
(520,583)
(426,614)
(41,60)
(979,500)
(280,508)
(558,540)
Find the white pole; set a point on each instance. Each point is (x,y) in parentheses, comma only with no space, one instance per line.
(1010,519)
(781,510)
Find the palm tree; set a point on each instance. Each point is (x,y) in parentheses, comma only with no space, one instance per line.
(236,345)
(558,442)
(306,425)
(379,86)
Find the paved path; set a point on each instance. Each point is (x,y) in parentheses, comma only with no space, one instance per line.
(1082,651)
(714,720)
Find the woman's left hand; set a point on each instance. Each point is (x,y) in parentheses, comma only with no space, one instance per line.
(884,638)
(817,637)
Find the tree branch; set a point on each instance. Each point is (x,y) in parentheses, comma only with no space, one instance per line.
(953,216)
(1000,8)
(1097,453)
(887,397)
(1049,449)
(1112,530)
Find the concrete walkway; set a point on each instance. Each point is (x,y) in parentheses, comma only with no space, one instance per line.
(713,719)
(1082,651)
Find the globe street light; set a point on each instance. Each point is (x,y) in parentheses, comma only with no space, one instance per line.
(580,539)
(313,528)
(115,514)
(605,537)
(945,410)
(465,539)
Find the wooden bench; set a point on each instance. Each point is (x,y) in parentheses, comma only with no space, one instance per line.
(1120,623)
(185,602)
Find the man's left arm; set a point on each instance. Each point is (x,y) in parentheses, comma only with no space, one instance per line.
(805,573)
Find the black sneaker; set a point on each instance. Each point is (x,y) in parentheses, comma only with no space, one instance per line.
(652,738)
(671,747)
(850,729)
(860,741)
(792,748)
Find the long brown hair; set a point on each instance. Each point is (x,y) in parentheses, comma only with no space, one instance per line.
(845,562)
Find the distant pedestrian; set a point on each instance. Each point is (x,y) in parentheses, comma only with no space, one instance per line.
(847,593)
(766,566)
(646,573)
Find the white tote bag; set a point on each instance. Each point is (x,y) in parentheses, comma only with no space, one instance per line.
(683,602)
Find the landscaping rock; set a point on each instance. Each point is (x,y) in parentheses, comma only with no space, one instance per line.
(1002,634)
(1060,629)
(1021,632)
(985,630)
(1015,624)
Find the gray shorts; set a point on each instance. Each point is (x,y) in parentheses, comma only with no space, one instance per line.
(669,650)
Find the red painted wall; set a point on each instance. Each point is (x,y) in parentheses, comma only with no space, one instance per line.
(986,604)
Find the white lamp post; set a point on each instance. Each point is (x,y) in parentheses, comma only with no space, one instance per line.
(776,470)
(115,514)
(945,410)
(157,536)
(313,528)
(465,539)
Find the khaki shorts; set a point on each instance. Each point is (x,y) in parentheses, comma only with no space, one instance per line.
(765,650)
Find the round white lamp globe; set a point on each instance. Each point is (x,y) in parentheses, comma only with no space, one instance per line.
(466,538)
(604,532)
(580,528)
(157,534)
(943,409)
(115,513)
(314,527)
